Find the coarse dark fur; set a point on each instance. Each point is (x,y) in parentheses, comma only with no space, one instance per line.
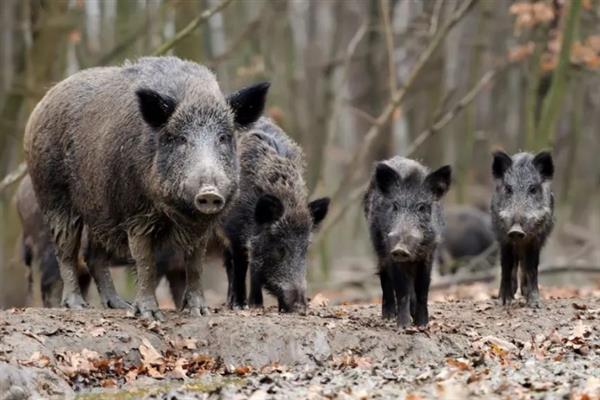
(522,217)
(269,226)
(405,222)
(144,156)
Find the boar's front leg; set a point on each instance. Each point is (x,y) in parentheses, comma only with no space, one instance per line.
(402,287)
(98,264)
(145,299)
(388,299)
(508,261)
(66,231)
(422,282)
(529,276)
(193,299)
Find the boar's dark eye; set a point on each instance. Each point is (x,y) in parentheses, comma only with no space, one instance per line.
(395,207)
(509,190)
(279,252)
(225,139)
(534,189)
(171,139)
(423,208)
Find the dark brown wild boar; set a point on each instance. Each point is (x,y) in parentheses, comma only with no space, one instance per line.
(144,155)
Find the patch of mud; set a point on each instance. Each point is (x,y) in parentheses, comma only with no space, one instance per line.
(475,349)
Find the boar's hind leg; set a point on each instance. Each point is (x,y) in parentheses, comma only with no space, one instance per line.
(98,264)
(193,298)
(422,281)
(508,261)
(388,299)
(145,299)
(529,276)
(66,231)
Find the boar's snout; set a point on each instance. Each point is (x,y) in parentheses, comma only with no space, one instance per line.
(516,232)
(401,253)
(291,300)
(403,244)
(209,200)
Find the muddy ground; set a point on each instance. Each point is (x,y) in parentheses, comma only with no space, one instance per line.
(470,349)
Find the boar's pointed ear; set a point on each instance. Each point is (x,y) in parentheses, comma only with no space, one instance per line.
(439,181)
(543,163)
(268,209)
(501,163)
(155,108)
(248,103)
(385,177)
(318,210)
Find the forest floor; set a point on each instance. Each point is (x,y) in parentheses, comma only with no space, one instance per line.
(470,349)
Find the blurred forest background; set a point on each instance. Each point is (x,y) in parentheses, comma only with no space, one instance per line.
(353,81)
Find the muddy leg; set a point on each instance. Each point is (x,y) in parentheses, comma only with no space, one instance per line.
(98,262)
(66,231)
(256,284)
(422,281)
(508,261)
(388,299)
(145,303)
(531,261)
(193,299)
(402,283)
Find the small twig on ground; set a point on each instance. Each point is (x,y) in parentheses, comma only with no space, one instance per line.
(187,30)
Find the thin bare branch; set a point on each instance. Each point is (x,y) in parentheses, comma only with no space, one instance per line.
(451,114)
(13,177)
(384,6)
(338,96)
(337,213)
(243,36)
(364,148)
(187,30)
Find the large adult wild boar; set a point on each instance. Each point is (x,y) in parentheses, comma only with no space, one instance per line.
(144,155)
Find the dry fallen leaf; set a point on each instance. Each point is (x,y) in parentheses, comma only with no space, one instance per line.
(150,356)
(97,332)
(243,370)
(37,359)
(461,365)
(179,371)
(319,300)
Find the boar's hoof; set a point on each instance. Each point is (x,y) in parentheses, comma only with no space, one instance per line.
(116,302)
(403,321)
(74,301)
(148,309)
(533,302)
(195,305)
